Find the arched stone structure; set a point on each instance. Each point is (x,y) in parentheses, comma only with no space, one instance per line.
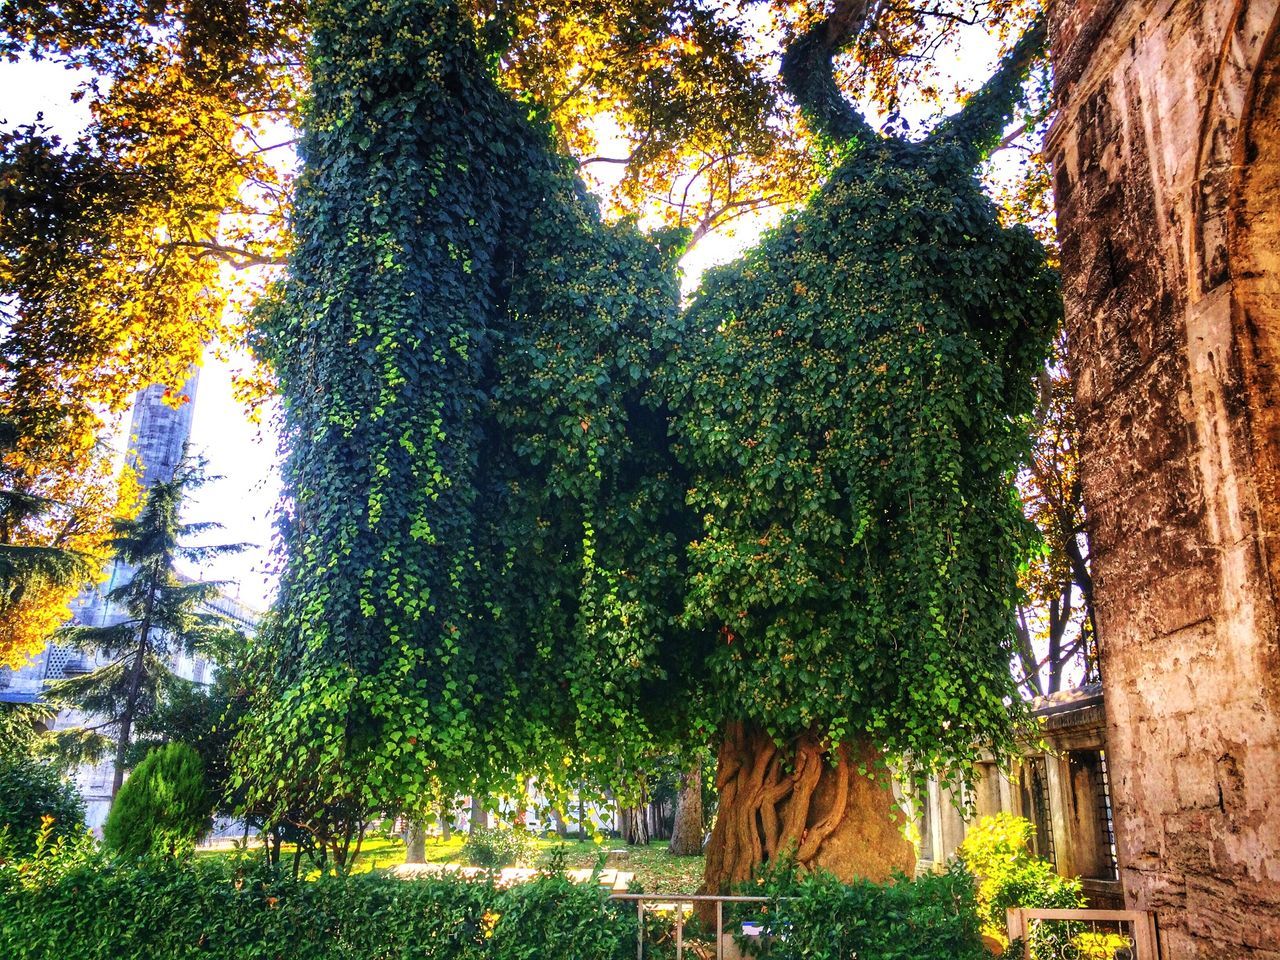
(1166,159)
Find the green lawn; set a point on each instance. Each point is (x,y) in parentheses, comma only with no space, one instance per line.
(655,870)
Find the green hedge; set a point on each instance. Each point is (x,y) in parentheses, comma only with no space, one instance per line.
(104,909)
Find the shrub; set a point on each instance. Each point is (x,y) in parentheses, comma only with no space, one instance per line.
(500,848)
(817,917)
(996,851)
(163,808)
(103,907)
(31,790)
(209,908)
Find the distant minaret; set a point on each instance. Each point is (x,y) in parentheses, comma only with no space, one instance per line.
(158,433)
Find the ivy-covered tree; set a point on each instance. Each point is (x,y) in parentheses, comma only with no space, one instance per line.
(853,401)
(497,419)
(464,348)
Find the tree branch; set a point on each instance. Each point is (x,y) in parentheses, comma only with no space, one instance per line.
(980,124)
(238,257)
(810,77)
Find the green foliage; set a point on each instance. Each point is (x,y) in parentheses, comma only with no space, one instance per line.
(30,791)
(464,348)
(852,401)
(497,421)
(996,850)
(816,917)
(500,847)
(105,909)
(97,908)
(203,716)
(163,807)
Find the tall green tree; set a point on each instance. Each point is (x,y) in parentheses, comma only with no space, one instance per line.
(165,614)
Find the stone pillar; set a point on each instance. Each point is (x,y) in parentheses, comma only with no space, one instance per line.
(1166,165)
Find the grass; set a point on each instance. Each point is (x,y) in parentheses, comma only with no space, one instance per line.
(656,870)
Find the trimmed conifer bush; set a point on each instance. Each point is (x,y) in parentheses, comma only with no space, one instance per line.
(163,807)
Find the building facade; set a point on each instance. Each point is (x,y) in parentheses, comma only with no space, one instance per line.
(1165,154)
(1061,782)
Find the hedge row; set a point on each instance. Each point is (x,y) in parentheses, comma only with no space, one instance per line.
(105,910)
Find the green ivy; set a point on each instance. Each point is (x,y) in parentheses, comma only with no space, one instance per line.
(852,402)
(484,543)
(542,521)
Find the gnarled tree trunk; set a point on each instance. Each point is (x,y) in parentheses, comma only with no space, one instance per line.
(773,801)
(686,832)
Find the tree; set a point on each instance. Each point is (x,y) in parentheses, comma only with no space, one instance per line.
(687,833)
(853,401)
(164,806)
(163,617)
(112,246)
(53,540)
(202,716)
(1056,630)
(489,388)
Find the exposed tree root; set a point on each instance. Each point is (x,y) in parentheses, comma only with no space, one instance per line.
(807,799)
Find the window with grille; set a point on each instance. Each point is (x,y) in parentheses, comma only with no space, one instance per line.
(1037,776)
(1106,821)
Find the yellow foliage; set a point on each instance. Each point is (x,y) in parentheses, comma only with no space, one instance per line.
(83,506)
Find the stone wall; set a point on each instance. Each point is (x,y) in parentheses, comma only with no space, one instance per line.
(1166,162)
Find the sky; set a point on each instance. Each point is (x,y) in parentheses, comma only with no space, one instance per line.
(242,455)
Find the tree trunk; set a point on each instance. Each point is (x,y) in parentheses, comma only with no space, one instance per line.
(583,832)
(686,833)
(446,828)
(415,847)
(131,701)
(557,820)
(633,826)
(828,816)
(479,816)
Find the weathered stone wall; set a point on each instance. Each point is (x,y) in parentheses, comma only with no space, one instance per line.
(1166,157)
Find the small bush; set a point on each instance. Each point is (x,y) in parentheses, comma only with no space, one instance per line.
(500,848)
(817,917)
(163,808)
(996,851)
(30,791)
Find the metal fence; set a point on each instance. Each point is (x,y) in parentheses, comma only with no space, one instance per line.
(1089,934)
(681,906)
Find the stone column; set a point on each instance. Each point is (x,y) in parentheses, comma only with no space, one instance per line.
(1166,165)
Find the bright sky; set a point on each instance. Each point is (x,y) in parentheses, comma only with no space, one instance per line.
(245,454)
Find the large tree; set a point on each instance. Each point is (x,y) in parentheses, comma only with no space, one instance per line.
(853,400)
(498,420)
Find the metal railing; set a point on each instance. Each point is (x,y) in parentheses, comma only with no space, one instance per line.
(1134,931)
(684,905)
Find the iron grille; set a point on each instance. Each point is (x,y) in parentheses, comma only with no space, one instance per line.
(1040,799)
(1102,781)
